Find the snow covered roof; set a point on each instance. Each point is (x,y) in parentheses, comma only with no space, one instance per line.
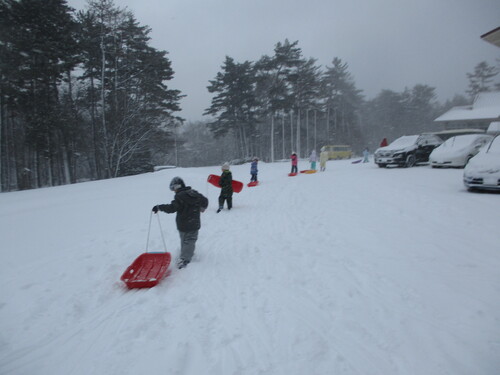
(492,37)
(485,107)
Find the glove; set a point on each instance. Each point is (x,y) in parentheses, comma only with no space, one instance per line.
(155,209)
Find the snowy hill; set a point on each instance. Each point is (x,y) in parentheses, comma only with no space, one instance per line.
(357,270)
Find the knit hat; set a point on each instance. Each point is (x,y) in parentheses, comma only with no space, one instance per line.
(225,167)
(176,183)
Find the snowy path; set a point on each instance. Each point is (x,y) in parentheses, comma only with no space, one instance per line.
(357,270)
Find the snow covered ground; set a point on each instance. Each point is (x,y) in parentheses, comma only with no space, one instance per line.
(356,270)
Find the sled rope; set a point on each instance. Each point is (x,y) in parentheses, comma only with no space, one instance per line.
(161,232)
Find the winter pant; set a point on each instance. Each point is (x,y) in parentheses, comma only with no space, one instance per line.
(254,177)
(294,169)
(188,242)
(322,165)
(313,165)
(229,201)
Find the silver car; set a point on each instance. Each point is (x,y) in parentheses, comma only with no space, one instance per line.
(483,170)
(457,151)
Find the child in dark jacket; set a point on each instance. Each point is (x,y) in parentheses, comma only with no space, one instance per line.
(295,161)
(254,170)
(188,204)
(226,191)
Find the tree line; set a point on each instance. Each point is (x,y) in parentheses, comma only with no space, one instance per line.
(84,96)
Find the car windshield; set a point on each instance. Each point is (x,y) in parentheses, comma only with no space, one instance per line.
(494,147)
(460,141)
(404,141)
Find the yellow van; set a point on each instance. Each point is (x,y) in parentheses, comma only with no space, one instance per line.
(338,151)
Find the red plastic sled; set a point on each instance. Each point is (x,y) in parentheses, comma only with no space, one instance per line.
(292,174)
(214,180)
(253,183)
(147,270)
(308,171)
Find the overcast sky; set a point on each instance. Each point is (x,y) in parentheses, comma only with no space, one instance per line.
(388,44)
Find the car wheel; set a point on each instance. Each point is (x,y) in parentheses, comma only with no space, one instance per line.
(381,165)
(410,161)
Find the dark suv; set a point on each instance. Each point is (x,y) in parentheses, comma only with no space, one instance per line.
(408,150)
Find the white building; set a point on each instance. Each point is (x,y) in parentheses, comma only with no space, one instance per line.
(479,115)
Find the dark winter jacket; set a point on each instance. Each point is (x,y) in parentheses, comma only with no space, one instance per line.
(187,203)
(226,184)
(253,168)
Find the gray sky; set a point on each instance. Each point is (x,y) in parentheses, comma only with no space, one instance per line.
(388,44)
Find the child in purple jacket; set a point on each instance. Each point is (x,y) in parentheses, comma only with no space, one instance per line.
(254,170)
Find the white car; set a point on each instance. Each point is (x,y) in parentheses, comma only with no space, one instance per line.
(483,170)
(457,151)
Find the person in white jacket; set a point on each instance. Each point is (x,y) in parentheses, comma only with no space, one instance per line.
(323,158)
(313,160)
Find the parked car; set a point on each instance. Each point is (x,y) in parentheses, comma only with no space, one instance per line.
(408,150)
(483,170)
(457,151)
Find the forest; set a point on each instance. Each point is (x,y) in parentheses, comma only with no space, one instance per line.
(84,96)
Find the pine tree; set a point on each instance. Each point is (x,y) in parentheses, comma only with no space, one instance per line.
(129,100)
(39,49)
(481,79)
(234,105)
(275,76)
(342,101)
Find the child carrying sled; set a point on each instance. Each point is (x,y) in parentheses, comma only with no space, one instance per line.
(226,191)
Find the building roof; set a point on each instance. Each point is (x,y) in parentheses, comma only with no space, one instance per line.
(486,107)
(492,37)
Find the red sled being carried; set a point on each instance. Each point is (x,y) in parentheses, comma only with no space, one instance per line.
(214,180)
(148,269)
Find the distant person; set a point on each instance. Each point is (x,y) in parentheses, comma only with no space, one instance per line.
(313,159)
(323,158)
(254,170)
(295,161)
(366,155)
(188,204)
(226,191)
(384,142)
